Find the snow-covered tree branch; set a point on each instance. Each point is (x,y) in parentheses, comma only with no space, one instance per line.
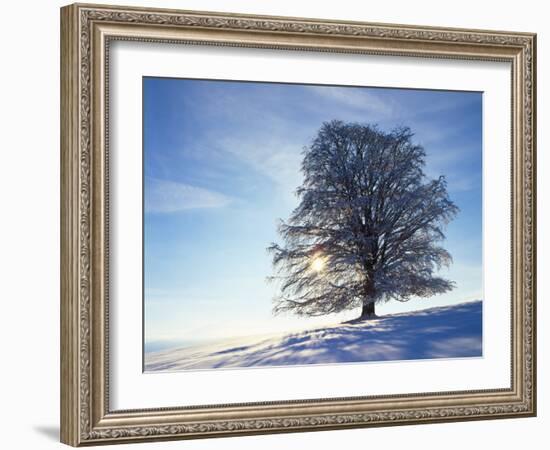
(368,225)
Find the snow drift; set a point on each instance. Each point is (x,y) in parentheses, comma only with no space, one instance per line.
(444,332)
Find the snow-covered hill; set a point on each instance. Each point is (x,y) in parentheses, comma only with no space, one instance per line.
(444,332)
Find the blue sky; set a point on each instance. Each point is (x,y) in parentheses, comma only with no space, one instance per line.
(221,164)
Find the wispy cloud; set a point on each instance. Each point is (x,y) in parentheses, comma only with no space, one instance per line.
(356,98)
(275,159)
(164,196)
(258,132)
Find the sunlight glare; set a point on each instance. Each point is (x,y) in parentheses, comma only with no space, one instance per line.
(318,264)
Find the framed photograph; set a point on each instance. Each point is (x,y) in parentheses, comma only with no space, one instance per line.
(276,224)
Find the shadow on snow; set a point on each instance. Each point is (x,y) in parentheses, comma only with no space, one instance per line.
(444,332)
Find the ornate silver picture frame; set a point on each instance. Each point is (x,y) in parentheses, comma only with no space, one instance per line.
(87,413)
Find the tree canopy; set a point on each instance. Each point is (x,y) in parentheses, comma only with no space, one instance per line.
(368,226)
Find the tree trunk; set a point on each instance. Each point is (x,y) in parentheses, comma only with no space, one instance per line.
(368,310)
(369,295)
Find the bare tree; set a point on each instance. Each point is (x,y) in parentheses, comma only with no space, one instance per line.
(367,227)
